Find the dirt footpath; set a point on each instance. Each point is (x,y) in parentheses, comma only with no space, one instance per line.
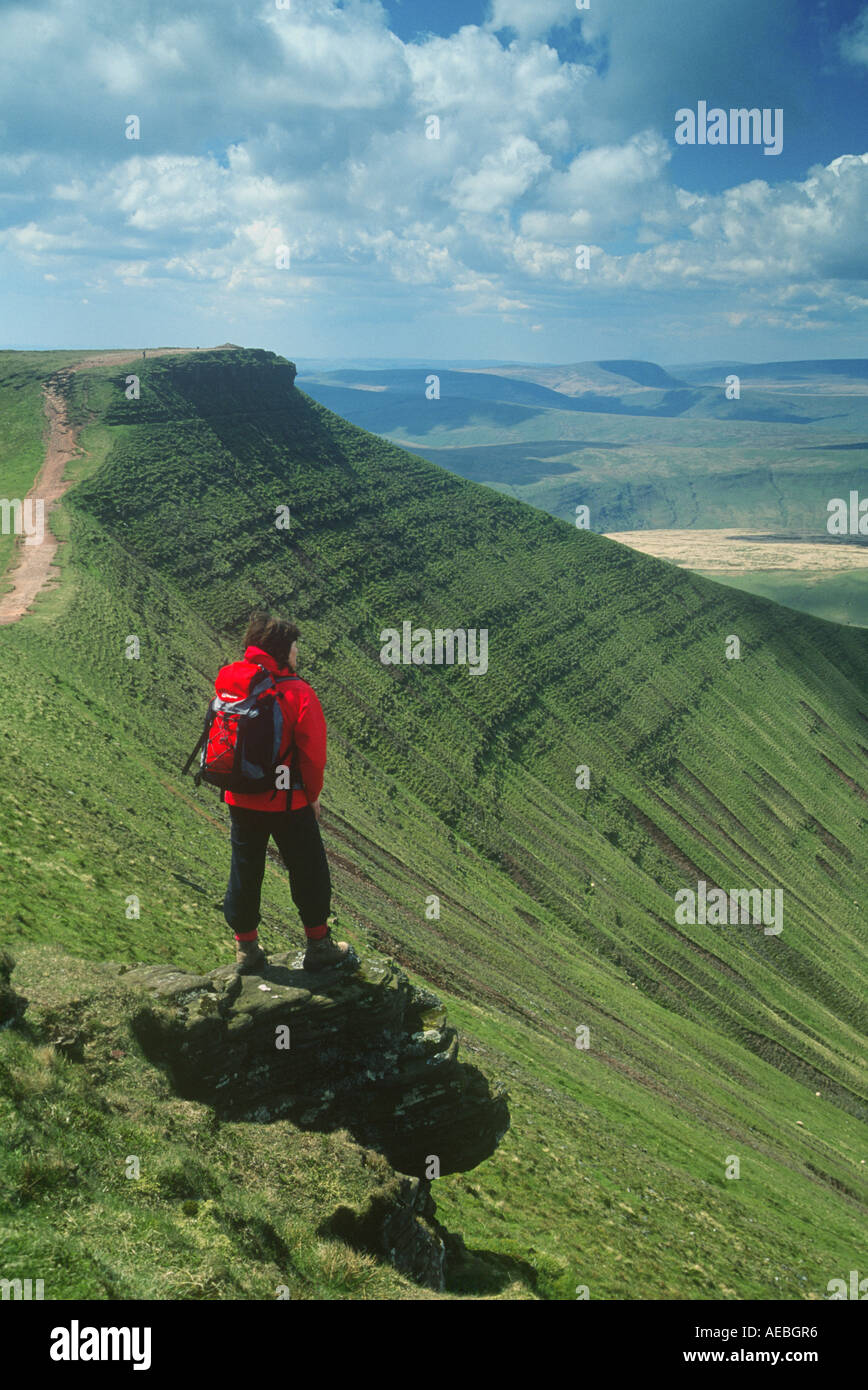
(32,568)
(118,359)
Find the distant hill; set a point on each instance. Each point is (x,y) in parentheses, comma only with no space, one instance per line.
(394,402)
(643,447)
(833,373)
(605,378)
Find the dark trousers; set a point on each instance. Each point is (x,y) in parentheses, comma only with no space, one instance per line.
(296,834)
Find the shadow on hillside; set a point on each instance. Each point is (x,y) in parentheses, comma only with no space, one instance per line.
(520,464)
(485,1272)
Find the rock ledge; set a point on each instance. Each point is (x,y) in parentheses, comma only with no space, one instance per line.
(364,1051)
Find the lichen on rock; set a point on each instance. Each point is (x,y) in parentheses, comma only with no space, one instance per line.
(364,1051)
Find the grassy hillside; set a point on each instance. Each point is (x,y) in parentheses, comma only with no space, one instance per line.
(556,904)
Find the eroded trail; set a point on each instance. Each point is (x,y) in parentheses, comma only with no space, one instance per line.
(32,568)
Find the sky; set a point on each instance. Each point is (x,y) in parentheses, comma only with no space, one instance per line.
(285,190)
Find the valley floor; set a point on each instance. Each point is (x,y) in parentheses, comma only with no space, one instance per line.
(826,578)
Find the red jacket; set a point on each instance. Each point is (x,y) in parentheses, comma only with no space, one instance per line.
(303,714)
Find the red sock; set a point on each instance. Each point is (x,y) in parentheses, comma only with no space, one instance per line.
(247,935)
(317,933)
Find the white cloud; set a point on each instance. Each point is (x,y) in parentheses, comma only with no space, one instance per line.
(854,40)
(306,127)
(502,176)
(365,70)
(13,165)
(531,18)
(607,190)
(807,234)
(520,89)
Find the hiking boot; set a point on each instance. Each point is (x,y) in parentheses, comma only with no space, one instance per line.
(325,952)
(250,959)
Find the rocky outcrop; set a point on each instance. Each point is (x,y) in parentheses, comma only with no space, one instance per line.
(364,1051)
(364,1057)
(399,1225)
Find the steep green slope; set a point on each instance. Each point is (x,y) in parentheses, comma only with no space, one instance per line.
(556,904)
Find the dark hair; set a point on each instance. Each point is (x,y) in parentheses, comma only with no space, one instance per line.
(273,635)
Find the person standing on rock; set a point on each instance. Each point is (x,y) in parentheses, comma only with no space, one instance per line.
(291,816)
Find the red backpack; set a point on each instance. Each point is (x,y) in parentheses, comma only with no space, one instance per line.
(242,742)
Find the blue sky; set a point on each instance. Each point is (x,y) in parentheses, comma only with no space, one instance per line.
(268,127)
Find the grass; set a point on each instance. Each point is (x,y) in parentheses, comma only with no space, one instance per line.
(112,1187)
(838,598)
(556,905)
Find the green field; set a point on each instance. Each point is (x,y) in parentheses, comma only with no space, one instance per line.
(839,598)
(557,904)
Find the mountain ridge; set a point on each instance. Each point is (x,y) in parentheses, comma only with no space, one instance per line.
(556,904)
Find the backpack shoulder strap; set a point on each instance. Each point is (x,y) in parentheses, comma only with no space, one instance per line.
(266,677)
